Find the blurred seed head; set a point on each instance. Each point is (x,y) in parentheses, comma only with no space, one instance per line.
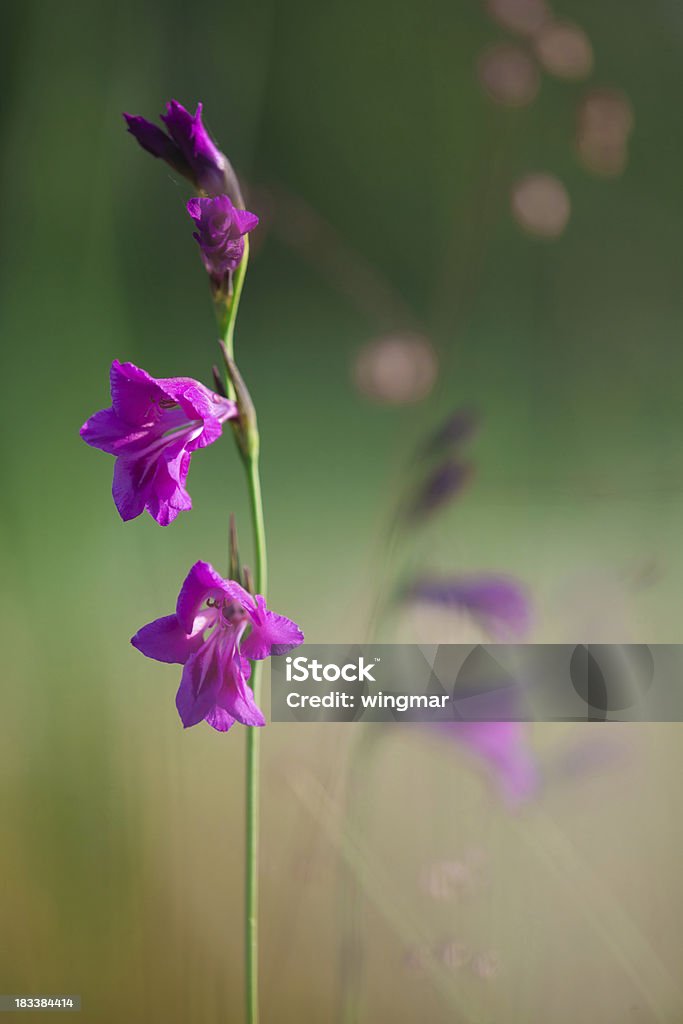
(508,75)
(604,125)
(564,50)
(541,206)
(458,428)
(443,485)
(396,369)
(522,16)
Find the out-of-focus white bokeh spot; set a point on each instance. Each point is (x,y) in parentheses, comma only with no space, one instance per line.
(523,16)
(508,75)
(608,111)
(564,50)
(397,369)
(604,124)
(540,204)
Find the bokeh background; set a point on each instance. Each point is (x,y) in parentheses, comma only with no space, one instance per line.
(410,261)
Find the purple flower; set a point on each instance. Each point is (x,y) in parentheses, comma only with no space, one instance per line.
(502,746)
(153,427)
(498,603)
(216,628)
(220,234)
(188,148)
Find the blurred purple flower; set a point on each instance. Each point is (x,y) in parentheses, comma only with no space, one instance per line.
(498,603)
(220,234)
(443,484)
(502,746)
(206,636)
(501,606)
(153,427)
(188,148)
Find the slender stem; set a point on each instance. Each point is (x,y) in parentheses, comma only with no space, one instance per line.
(253,757)
(258,524)
(226,311)
(227,315)
(251,934)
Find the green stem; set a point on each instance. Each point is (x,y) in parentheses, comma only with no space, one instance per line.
(227,315)
(226,311)
(252,869)
(253,755)
(258,523)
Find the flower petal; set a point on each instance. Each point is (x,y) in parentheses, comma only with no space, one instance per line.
(127,491)
(245,221)
(152,138)
(108,432)
(199,403)
(244,709)
(195,206)
(188,131)
(166,495)
(132,392)
(236,696)
(199,686)
(270,633)
(220,720)
(201,582)
(165,640)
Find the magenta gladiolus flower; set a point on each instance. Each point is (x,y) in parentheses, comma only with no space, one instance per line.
(220,233)
(187,148)
(216,628)
(153,427)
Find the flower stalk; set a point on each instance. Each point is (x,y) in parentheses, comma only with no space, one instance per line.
(253,766)
(226,313)
(248,442)
(221,629)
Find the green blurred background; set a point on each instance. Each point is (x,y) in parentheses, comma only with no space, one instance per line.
(383,172)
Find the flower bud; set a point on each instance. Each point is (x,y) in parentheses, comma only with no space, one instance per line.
(187,147)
